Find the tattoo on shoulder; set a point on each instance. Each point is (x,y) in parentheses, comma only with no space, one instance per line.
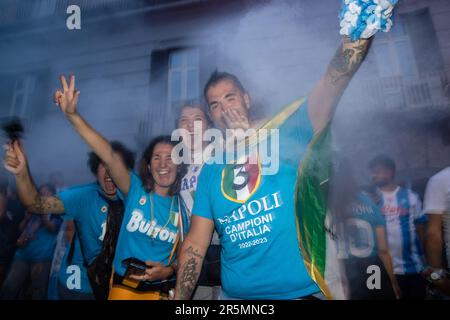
(49,204)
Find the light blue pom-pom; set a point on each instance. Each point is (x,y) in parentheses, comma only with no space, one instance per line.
(361,19)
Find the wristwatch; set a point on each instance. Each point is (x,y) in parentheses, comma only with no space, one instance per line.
(437,274)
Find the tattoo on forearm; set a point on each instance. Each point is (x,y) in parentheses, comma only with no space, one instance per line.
(347,60)
(46,205)
(190,273)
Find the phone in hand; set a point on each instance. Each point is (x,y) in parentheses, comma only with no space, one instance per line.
(134,267)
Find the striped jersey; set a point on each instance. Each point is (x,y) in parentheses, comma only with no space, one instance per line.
(402,210)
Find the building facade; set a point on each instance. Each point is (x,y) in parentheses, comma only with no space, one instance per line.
(136,60)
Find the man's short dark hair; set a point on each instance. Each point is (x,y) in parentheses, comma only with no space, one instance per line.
(217,76)
(126,155)
(382,161)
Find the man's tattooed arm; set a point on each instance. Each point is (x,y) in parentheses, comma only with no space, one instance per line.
(192,253)
(347,60)
(32,200)
(188,272)
(328,91)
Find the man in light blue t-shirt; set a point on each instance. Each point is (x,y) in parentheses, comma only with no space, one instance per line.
(259,236)
(254,213)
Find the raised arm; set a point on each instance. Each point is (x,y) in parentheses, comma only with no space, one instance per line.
(16,162)
(326,94)
(67,100)
(191,256)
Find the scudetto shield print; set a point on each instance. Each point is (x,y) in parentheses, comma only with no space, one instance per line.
(241,180)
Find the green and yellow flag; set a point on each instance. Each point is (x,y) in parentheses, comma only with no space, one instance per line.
(311,209)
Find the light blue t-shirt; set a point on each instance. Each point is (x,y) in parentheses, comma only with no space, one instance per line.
(89,210)
(42,246)
(360,228)
(254,216)
(73,273)
(140,237)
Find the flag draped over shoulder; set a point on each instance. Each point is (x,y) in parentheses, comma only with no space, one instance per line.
(318,247)
(311,209)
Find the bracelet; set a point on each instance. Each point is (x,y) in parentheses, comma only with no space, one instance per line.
(437,274)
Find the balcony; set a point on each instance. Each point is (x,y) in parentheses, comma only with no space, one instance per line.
(423,96)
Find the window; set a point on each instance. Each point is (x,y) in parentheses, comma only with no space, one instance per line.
(183,75)
(174,78)
(394,53)
(23,89)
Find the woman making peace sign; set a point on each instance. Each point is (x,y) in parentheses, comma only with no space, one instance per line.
(153,221)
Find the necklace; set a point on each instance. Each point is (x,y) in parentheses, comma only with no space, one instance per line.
(152,215)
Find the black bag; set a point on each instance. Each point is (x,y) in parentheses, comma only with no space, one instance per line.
(100,270)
